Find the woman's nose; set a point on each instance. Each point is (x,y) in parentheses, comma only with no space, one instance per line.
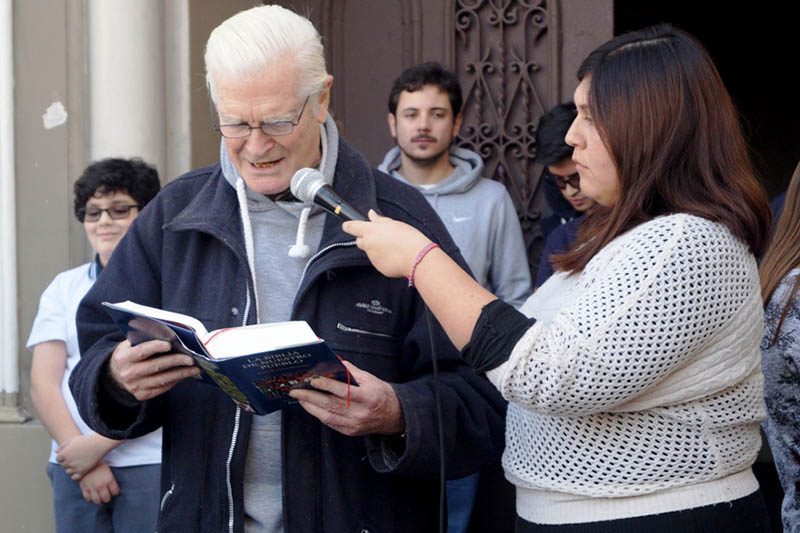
(572,138)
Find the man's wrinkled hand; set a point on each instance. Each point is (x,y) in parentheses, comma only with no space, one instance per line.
(374,407)
(148,369)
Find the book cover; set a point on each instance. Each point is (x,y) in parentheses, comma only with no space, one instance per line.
(272,360)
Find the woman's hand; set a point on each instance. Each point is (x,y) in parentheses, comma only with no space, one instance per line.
(451,294)
(391,246)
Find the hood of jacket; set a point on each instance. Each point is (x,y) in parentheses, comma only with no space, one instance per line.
(467,171)
(250,200)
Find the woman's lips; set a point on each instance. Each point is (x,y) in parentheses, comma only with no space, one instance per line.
(578,202)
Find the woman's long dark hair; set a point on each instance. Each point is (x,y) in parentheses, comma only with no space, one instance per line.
(783,253)
(672,130)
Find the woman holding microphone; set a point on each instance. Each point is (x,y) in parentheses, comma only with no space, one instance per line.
(635,397)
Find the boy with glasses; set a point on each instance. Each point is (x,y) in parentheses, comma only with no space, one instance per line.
(99,484)
(561,186)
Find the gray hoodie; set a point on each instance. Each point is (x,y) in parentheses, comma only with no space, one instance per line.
(481,218)
(280,237)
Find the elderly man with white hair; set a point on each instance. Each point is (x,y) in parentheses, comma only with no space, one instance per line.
(230,245)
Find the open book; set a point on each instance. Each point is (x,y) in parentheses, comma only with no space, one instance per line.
(255,365)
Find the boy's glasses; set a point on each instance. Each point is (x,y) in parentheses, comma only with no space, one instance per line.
(573,180)
(116,212)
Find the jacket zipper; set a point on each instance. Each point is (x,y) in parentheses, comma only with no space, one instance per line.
(348,329)
(237,417)
(236,421)
(235,434)
(319,253)
(228,468)
(167,495)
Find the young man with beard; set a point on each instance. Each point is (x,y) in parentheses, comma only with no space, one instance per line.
(424,119)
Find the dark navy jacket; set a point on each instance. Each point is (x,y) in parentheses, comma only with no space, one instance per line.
(558,242)
(186,253)
(562,210)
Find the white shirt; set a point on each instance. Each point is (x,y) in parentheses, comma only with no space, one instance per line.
(55,321)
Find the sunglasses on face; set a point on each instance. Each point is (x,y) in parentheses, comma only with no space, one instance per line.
(573,180)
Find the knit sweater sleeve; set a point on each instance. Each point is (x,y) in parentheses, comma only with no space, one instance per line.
(644,307)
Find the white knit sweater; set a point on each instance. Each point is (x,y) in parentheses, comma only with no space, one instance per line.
(641,391)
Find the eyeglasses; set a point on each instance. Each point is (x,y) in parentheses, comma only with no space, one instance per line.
(277,128)
(116,212)
(573,180)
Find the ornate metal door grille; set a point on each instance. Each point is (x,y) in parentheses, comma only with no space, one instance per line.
(506,55)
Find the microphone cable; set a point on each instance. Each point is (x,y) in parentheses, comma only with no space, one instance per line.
(309,185)
(438,404)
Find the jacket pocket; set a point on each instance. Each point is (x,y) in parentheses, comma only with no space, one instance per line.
(360,339)
(358,331)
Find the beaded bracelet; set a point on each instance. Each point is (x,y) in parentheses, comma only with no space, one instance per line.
(420,256)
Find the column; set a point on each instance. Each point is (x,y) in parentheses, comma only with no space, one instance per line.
(127,80)
(9,370)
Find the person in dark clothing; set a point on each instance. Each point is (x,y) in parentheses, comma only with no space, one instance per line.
(558,242)
(561,186)
(776,206)
(214,245)
(561,181)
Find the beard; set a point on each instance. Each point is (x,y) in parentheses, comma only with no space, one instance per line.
(428,160)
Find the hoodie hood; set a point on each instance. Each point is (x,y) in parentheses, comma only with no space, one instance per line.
(467,171)
(306,214)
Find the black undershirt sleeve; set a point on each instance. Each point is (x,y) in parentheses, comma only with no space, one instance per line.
(497,331)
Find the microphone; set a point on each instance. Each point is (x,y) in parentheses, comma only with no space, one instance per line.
(309,186)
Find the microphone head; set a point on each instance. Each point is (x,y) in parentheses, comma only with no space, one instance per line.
(305,184)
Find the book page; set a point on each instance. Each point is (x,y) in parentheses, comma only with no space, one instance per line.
(167,316)
(258,338)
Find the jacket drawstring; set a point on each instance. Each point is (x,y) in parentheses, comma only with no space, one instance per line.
(300,249)
(248,234)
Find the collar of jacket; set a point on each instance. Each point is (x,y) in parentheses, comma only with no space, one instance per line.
(215,210)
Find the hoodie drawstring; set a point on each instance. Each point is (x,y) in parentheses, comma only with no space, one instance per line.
(248,232)
(300,249)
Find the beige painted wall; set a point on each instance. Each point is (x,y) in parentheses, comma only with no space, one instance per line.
(25,505)
(48,68)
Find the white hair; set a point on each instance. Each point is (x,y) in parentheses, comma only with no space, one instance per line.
(252,40)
